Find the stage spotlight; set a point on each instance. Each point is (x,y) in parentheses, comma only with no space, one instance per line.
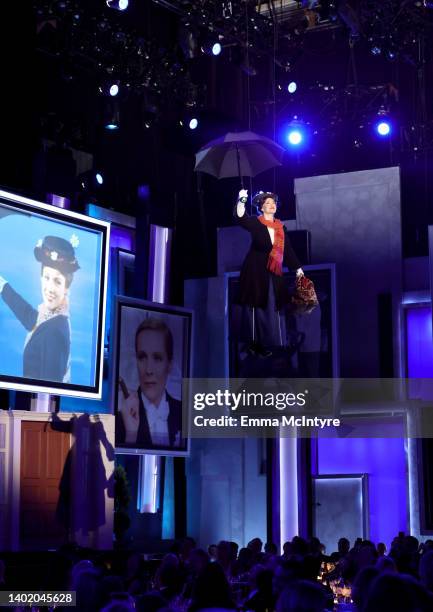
(193,124)
(292,87)
(383,128)
(119,5)
(99,178)
(211,47)
(295,137)
(375,50)
(110,88)
(216,48)
(111,114)
(114,90)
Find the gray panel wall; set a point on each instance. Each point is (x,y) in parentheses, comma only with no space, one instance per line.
(226,493)
(354,220)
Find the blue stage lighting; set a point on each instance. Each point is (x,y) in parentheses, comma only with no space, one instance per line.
(111,126)
(193,124)
(216,49)
(119,5)
(99,178)
(292,87)
(295,137)
(383,128)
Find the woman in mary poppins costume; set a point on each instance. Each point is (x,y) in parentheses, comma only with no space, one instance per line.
(47,345)
(263,289)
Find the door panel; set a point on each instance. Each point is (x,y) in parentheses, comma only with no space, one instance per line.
(340,509)
(43,457)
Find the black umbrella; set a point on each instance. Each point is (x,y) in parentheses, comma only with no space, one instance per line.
(238,154)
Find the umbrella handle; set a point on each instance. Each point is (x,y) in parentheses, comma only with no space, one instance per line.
(238,155)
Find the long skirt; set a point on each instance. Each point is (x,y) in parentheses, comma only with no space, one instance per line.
(267,326)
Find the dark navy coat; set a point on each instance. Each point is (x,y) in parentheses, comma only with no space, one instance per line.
(255,277)
(46,354)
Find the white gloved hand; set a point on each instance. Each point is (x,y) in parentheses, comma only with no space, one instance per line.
(243,193)
(3,282)
(300,272)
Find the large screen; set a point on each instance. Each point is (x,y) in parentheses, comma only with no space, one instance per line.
(152,349)
(53,276)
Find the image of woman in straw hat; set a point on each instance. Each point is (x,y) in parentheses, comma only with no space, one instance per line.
(47,345)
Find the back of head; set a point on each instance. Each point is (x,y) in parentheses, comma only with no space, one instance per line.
(211,589)
(271,548)
(302,596)
(109,585)
(362,584)
(198,560)
(168,575)
(255,545)
(299,546)
(386,564)
(234,547)
(87,587)
(343,546)
(396,592)
(287,572)
(426,569)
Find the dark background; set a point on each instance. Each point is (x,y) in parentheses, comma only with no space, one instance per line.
(56,54)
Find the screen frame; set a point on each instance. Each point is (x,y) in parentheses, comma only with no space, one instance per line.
(53,213)
(156,307)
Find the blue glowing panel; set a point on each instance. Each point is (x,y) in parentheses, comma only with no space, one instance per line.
(419,342)
(384,460)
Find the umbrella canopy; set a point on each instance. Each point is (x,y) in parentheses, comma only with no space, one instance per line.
(238,154)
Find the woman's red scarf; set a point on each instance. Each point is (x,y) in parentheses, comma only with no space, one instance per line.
(275,260)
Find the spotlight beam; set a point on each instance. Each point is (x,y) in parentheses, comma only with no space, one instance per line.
(169,6)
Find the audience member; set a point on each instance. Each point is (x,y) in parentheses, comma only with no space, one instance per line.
(212,590)
(300,580)
(386,565)
(302,596)
(397,594)
(261,597)
(426,570)
(362,585)
(343,549)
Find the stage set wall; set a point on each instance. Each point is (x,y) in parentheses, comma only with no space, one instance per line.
(226,483)
(91,461)
(384,461)
(354,220)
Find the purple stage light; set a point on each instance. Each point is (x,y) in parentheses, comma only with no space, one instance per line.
(193,124)
(292,87)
